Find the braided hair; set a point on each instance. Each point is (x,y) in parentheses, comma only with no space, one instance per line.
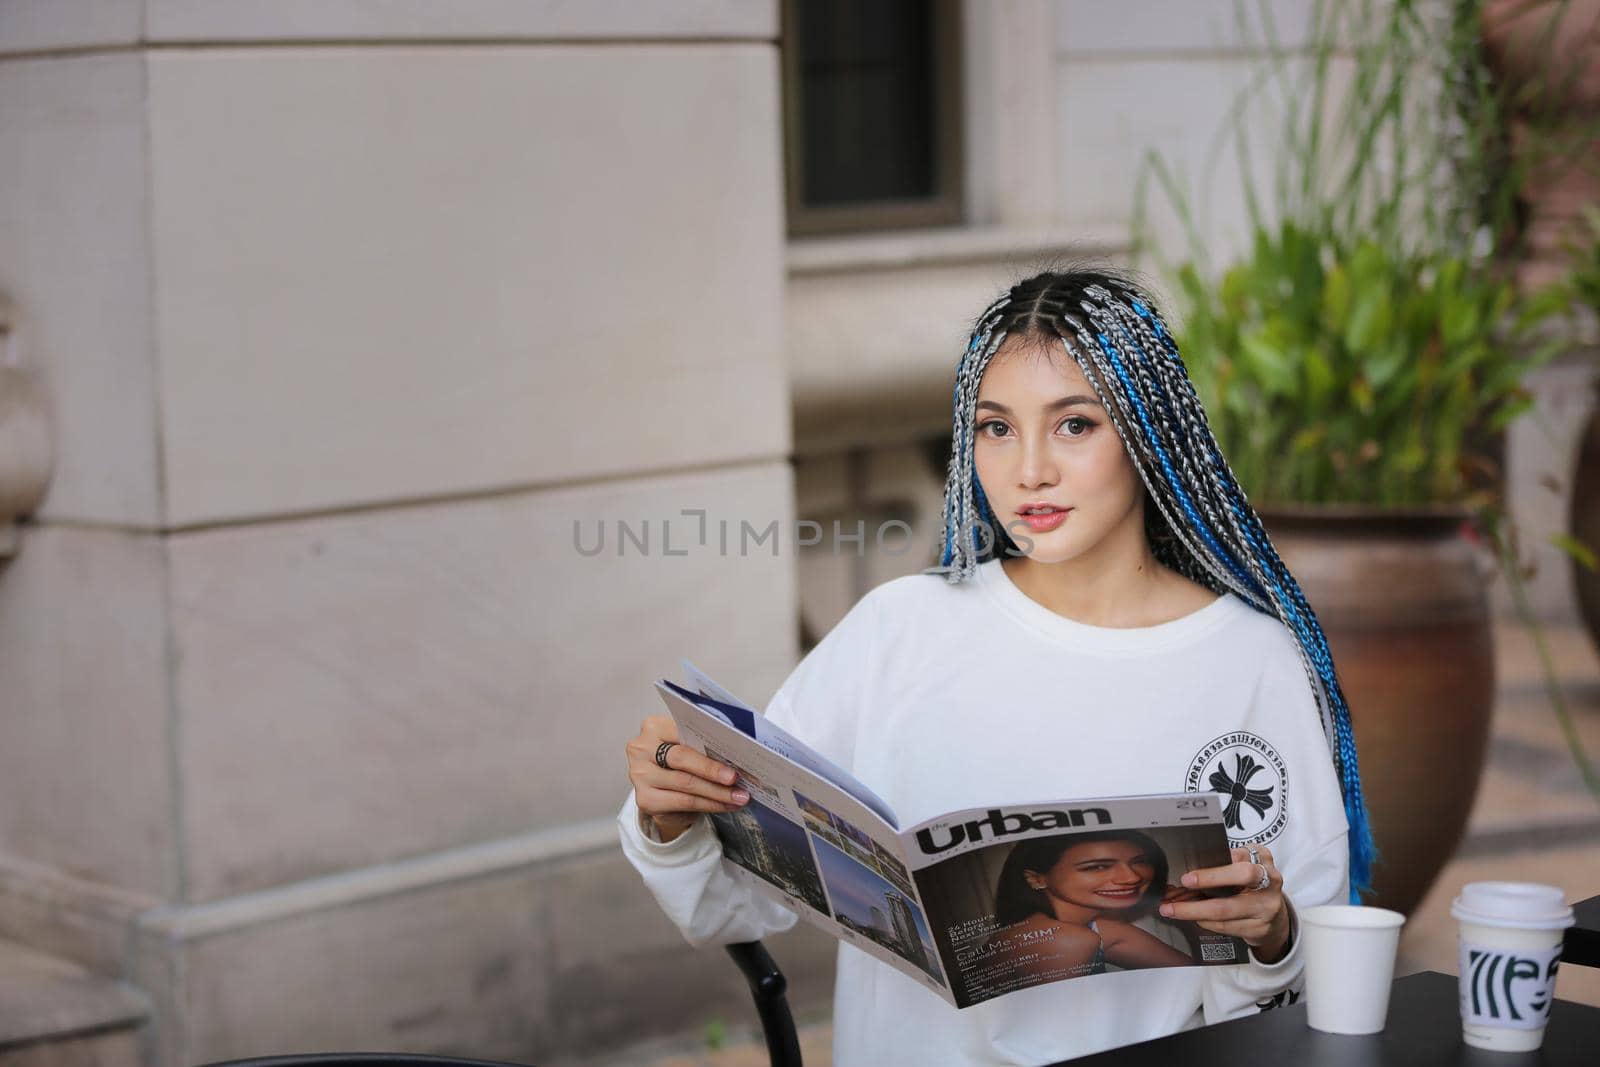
(1201,525)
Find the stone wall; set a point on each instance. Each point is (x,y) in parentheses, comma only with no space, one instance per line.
(347,314)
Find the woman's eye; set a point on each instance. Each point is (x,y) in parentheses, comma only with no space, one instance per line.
(1076,426)
(993,428)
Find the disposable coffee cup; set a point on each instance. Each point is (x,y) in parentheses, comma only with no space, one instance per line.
(1350,953)
(1510,944)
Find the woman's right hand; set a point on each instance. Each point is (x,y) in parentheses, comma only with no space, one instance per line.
(673,799)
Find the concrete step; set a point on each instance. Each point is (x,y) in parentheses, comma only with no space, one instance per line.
(53,1013)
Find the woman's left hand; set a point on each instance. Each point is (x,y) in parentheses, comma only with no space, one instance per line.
(1259,916)
(1176,893)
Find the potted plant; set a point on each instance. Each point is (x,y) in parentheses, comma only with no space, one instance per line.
(1357,362)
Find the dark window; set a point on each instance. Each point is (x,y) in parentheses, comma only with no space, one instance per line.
(872,127)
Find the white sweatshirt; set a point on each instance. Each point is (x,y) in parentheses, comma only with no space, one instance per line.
(942,697)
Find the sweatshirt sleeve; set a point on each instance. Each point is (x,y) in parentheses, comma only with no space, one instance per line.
(686,875)
(1230,992)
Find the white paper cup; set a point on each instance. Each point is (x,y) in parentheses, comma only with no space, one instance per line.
(1510,943)
(1350,954)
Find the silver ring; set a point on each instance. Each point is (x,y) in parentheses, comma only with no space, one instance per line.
(1263,882)
(1255,854)
(661,754)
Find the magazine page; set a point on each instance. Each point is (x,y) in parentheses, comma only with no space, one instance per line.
(715,698)
(1024,895)
(813,846)
(702,682)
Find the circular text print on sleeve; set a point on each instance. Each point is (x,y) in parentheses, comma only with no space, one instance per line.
(1253,781)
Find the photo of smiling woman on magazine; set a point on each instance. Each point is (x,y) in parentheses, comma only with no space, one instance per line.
(1066,905)
(1060,906)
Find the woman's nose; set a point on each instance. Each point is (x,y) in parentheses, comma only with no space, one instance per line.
(1038,466)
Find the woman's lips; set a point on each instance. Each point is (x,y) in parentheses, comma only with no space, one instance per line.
(1120,894)
(1045,521)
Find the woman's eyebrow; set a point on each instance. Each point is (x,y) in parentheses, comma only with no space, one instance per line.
(1111,859)
(1064,402)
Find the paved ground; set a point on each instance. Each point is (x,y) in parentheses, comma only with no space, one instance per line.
(1533,821)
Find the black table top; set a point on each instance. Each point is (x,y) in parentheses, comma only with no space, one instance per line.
(1583,940)
(1424,1029)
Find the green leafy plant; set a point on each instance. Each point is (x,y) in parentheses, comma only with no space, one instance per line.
(1371,342)
(1344,371)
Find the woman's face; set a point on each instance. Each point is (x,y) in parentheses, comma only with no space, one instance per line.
(1048,458)
(1104,875)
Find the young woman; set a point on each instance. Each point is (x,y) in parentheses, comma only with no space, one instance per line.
(1109,618)
(1066,904)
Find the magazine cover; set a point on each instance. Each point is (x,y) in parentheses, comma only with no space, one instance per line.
(1054,905)
(974,904)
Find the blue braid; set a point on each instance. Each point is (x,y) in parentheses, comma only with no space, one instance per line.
(985,513)
(1196,523)
(1313,645)
(1159,391)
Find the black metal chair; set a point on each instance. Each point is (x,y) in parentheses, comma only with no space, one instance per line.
(768,987)
(1583,940)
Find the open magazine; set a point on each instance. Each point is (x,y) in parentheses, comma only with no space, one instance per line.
(972,904)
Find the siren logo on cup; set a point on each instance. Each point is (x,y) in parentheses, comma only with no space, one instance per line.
(1508,988)
(1250,774)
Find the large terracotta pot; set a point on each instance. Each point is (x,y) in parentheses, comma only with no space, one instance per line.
(1402,598)
(1586,523)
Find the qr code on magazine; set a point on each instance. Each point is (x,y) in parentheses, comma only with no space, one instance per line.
(1223,951)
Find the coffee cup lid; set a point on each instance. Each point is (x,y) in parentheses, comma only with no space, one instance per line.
(1521,905)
